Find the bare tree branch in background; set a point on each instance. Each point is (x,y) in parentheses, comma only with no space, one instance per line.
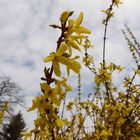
(11,92)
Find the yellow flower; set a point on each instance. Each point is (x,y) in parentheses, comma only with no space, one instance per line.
(58,57)
(117,2)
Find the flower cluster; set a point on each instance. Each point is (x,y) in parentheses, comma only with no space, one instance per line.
(49,124)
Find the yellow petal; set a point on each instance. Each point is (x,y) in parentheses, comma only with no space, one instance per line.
(77,37)
(49,58)
(138,72)
(56,68)
(79,19)
(27,135)
(75,66)
(70,22)
(61,49)
(83,30)
(70,50)
(70,64)
(55,100)
(71,30)
(59,122)
(64,60)
(45,87)
(66,122)
(74,45)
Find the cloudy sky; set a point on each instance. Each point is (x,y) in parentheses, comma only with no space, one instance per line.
(26,38)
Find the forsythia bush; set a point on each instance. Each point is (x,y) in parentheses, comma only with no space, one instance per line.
(114,113)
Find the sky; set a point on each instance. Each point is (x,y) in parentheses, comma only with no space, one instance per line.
(26,38)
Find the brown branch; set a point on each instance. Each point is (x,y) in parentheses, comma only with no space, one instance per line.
(128,91)
(105,33)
